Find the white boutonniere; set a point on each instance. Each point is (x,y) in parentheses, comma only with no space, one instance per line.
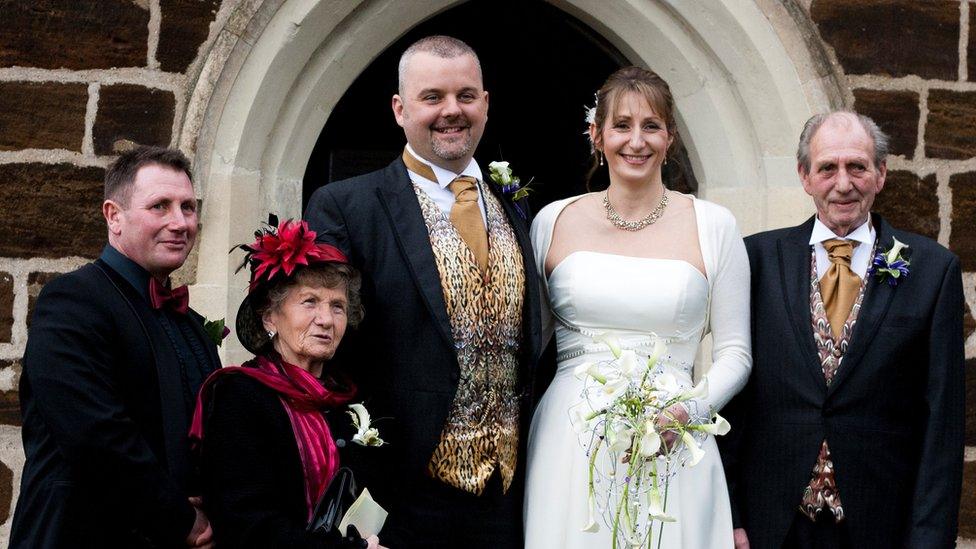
(509,184)
(365,434)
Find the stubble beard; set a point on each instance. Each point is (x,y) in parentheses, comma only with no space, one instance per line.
(453,150)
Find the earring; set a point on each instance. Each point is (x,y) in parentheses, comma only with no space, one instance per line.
(599,155)
(272,334)
(665,160)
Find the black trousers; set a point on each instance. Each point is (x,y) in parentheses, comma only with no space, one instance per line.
(823,534)
(440,516)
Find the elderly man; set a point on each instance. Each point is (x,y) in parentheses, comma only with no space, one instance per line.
(113,363)
(850,431)
(449,343)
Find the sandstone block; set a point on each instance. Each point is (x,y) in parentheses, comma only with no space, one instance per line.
(963,235)
(892,37)
(9,412)
(36,115)
(134,113)
(53,34)
(62,217)
(35,283)
(6,306)
(951,128)
(185,25)
(896,112)
(910,203)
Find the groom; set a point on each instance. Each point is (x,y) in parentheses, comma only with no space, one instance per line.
(850,431)
(446,353)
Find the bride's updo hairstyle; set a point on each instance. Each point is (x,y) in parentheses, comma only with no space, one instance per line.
(645,83)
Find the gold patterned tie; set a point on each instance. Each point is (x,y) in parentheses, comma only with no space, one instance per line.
(466,217)
(839,285)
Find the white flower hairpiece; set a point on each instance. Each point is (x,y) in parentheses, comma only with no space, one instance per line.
(591,119)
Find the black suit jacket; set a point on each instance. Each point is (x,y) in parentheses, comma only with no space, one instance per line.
(893,415)
(402,357)
(105,420)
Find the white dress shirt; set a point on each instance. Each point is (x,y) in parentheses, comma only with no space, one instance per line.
(439,191)
(860,260)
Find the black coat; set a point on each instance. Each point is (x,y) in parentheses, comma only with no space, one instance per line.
(105,420)
(402,357)
(253,481)
(893,415)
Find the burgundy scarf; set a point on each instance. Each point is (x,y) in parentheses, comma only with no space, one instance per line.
(304,399)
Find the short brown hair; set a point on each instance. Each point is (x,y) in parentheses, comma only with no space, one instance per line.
(645,83)
(122,173)
(318,275)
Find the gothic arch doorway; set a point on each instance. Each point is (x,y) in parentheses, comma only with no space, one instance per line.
(541,66)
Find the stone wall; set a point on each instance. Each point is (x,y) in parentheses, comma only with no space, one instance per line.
(78,79)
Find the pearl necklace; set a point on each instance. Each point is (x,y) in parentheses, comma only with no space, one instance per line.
(649,219)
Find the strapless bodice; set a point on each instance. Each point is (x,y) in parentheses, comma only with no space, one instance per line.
(631,298)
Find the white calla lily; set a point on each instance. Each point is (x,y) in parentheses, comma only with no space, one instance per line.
(627,363)
(502,170)
(659,348)
(720,427)
(609,341)
(654,507)
(365,435)
(650,441)
(592,369)
(696,452)
(619,437)
(667,384)
(615,386)
(896,249)
(591,523)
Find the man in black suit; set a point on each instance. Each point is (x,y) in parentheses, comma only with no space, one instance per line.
(113,362)
(850,430)
(449,343)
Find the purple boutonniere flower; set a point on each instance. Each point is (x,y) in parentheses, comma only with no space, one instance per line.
(509,185)
(891,266)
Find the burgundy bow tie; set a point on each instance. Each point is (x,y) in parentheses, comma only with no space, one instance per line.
(176,300)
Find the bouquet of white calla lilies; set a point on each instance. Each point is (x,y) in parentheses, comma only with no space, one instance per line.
(365,434)
(621,419)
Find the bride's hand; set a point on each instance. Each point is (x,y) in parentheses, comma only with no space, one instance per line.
(672,417)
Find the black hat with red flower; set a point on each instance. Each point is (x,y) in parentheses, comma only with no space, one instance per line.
(277,253)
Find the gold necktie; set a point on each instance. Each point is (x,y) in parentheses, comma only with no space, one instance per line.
(839,285)
(466,217)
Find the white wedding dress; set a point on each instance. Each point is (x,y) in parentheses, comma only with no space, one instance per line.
(592,293)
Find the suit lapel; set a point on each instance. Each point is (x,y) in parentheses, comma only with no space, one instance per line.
(400,204)
(531,311)
(794,257)
(874,306)
(171,400)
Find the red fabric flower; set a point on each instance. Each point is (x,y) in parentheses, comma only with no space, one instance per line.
(284,248)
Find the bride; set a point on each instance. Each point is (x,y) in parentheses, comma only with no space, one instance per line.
(634,260)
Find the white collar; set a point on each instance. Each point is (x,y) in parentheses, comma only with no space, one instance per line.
(444,177)
(863,234)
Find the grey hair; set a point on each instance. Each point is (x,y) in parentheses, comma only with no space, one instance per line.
(878,137)
(445,47)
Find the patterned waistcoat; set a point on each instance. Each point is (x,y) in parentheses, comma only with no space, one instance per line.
(822,491)
(485,310)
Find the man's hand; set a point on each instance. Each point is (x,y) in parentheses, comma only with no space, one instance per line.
(201,535)
(740,538)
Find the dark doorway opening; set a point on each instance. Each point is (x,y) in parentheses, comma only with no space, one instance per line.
(541,68)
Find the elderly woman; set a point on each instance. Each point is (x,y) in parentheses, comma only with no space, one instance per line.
(269,452)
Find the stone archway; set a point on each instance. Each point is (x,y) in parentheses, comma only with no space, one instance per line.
(278,67)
